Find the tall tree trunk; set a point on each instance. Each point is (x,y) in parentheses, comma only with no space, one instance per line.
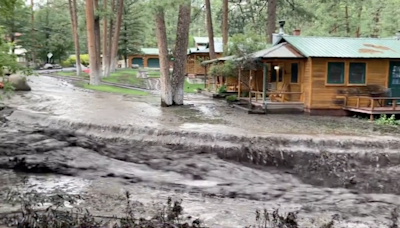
(97,36)
(210,30)
(117,29)
(225,28)
(105,43)
(74,23)
(271,19)
(109,42)
(94,74)
(165,80)
(33,34)
(346,9)
(182,39)
(359,22)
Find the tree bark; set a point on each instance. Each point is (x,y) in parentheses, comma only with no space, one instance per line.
(165,80)
(210,30)
(33,33)
(105,44)
(94,74)
(74,23)
(109,42)
(225,28)
(97,37)
(182,38)
(117,29)
(271,20)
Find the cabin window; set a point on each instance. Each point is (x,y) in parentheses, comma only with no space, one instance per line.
(295,73)
(335,73)
(357,73)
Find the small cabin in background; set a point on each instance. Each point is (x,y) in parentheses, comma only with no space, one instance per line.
(202,42)
(149,58)
(326,75)
(200,53)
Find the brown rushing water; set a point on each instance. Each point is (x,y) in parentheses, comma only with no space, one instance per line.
(222,192)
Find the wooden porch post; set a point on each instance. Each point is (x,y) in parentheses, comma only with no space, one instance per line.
(239,84)
(264,94)
(251,77)
(205,76)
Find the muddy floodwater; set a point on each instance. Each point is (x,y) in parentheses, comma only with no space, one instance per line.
(223,164)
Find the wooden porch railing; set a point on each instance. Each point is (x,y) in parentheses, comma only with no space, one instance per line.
(372,105)
(381,101)
(283,94)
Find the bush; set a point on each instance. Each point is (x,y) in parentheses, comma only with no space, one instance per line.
(72,60)
(222,89)
(384,120)
(231,98)
(55,216)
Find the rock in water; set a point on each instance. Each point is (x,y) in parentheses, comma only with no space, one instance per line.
(19,82)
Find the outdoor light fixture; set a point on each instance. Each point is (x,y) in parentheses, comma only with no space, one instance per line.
(276,67)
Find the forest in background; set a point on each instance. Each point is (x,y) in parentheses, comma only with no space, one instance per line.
(52,23)
(118,28)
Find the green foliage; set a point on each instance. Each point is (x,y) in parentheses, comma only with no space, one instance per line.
(133,29)
(222,89)
(384,120)
(227,69)
(245,44)
(9,65)
(72,60)
(231,98)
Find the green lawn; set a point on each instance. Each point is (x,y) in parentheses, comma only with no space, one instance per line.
(114,89)
(72,74)
(190,88)
(129,77)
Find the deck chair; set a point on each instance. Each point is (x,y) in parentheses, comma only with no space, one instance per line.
(279,96)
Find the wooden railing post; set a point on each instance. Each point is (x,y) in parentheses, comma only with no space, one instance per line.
(372,104)
(394,104)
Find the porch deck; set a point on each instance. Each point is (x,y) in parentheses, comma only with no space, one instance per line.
(276,107)
(372,105)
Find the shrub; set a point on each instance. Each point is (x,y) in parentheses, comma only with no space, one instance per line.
(231,98)
(222,89)
(384,120)
(72,60)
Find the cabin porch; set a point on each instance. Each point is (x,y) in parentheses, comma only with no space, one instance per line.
(276,86)
(372,105)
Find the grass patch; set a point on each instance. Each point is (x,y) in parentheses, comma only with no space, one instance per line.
(191,88)
(72,74)
(126,76)
(114,89)
(129,77)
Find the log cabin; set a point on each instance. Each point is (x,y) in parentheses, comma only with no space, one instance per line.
(326,75)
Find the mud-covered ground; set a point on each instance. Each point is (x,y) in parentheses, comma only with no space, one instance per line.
(222,163)
(60,98)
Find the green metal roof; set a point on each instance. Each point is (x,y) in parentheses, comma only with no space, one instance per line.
(345,47)
(150,51)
